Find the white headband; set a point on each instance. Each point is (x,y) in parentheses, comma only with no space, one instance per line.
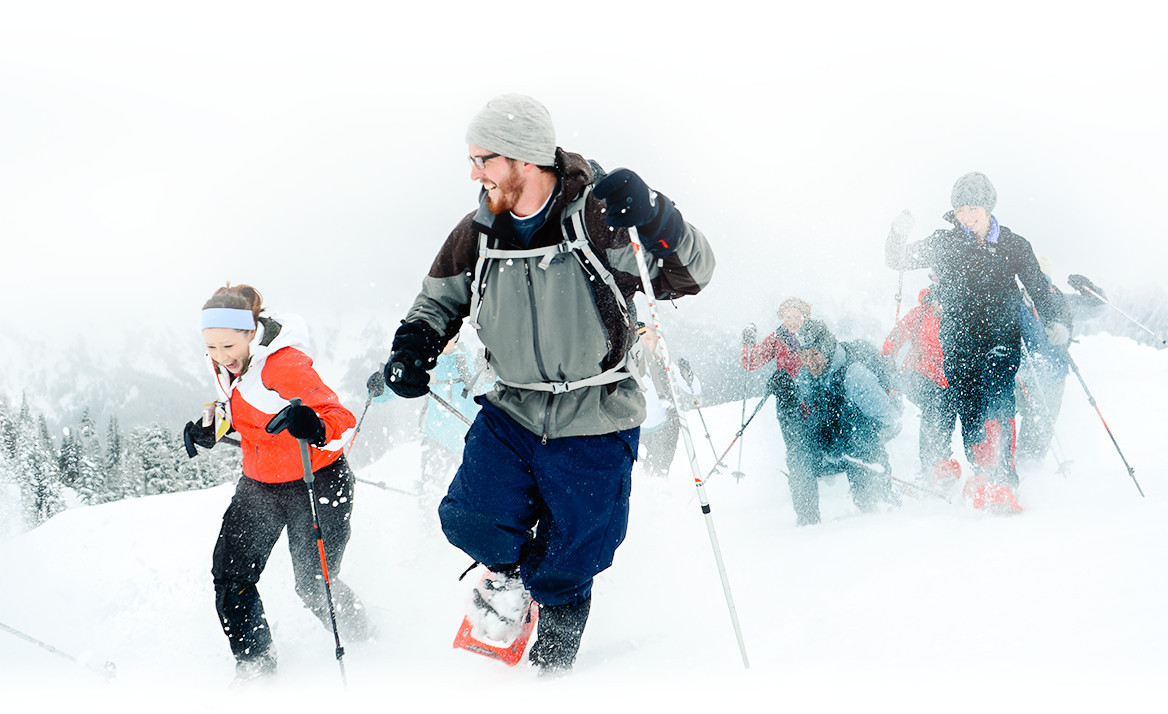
(230,317)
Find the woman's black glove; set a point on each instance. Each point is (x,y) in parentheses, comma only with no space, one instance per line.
(301,422)
(197,434)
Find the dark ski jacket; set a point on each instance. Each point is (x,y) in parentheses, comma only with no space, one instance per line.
(979,293)
(846,410)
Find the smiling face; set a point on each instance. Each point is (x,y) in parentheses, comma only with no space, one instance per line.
(500,177)
(975,219)
(792,319)
(229,347)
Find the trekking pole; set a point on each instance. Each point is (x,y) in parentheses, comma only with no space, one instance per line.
(1090,398)
(908,485)
(450,408)
(274,427)
(1161,340)
(368,401)
(688,377)
(107,670)
(683,423)
(738,435)
(742,422)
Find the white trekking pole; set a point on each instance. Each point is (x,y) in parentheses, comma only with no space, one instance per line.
(683,424)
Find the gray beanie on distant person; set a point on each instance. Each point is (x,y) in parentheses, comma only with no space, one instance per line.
(974,189)
(515,126)
(814,335)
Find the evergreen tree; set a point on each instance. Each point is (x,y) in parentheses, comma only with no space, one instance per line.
(37,470)
(91,473)
(7,429)
(115,486)
(159,462)
(69,459)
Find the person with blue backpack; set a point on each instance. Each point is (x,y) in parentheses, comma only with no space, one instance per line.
(846,415)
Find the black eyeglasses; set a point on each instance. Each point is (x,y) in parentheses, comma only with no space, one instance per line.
(480,162)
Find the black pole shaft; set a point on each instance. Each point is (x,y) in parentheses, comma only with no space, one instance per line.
(737,436)
(1090,398)
(328,590)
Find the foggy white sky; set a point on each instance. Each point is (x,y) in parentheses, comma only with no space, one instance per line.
(150,154)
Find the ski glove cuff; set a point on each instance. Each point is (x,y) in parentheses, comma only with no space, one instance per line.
(197,434)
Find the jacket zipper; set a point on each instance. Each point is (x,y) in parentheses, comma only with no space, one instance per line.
(547,410)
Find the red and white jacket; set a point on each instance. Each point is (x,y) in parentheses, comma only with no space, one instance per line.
(278,371)
(917,342)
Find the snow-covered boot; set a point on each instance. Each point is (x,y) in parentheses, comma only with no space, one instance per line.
(946,472)
(500,618)
(500,602)
(558,638)
(252,667)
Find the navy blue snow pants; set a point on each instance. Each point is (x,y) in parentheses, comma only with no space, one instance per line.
(558,509)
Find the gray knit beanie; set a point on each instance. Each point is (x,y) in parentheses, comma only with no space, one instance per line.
(515,126)
(814,335)
(974,189)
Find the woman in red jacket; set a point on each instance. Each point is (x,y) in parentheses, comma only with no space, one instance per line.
(922,379)
(259,365)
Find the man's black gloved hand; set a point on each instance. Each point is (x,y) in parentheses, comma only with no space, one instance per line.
(194,433)
(414,353)
(1082,284)
(630,202)
(750,334)
(302,423)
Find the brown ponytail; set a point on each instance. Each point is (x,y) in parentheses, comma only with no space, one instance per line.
(240,297)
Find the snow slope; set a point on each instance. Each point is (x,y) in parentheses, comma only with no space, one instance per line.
(931,607)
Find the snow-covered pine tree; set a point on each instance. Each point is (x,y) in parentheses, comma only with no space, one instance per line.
(69,458)
(116,484)
(7,429)
(91,475)
(36,470)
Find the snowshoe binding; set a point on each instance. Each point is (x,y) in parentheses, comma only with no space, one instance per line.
(500,619)
(997,498)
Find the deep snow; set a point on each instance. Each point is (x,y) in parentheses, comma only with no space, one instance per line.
(933,606)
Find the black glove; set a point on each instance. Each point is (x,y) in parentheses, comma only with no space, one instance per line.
(376,384)
(415,351)
(684,370)
(630,202)
(1082,284)
(301,422)
(195,433)
(749,334)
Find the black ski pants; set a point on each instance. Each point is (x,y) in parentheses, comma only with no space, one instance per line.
(258,514)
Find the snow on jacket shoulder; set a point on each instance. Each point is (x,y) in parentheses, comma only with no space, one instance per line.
(278,371)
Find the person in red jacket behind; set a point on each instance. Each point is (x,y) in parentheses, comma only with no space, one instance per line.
(259,365)
(922,379)
(781,347)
